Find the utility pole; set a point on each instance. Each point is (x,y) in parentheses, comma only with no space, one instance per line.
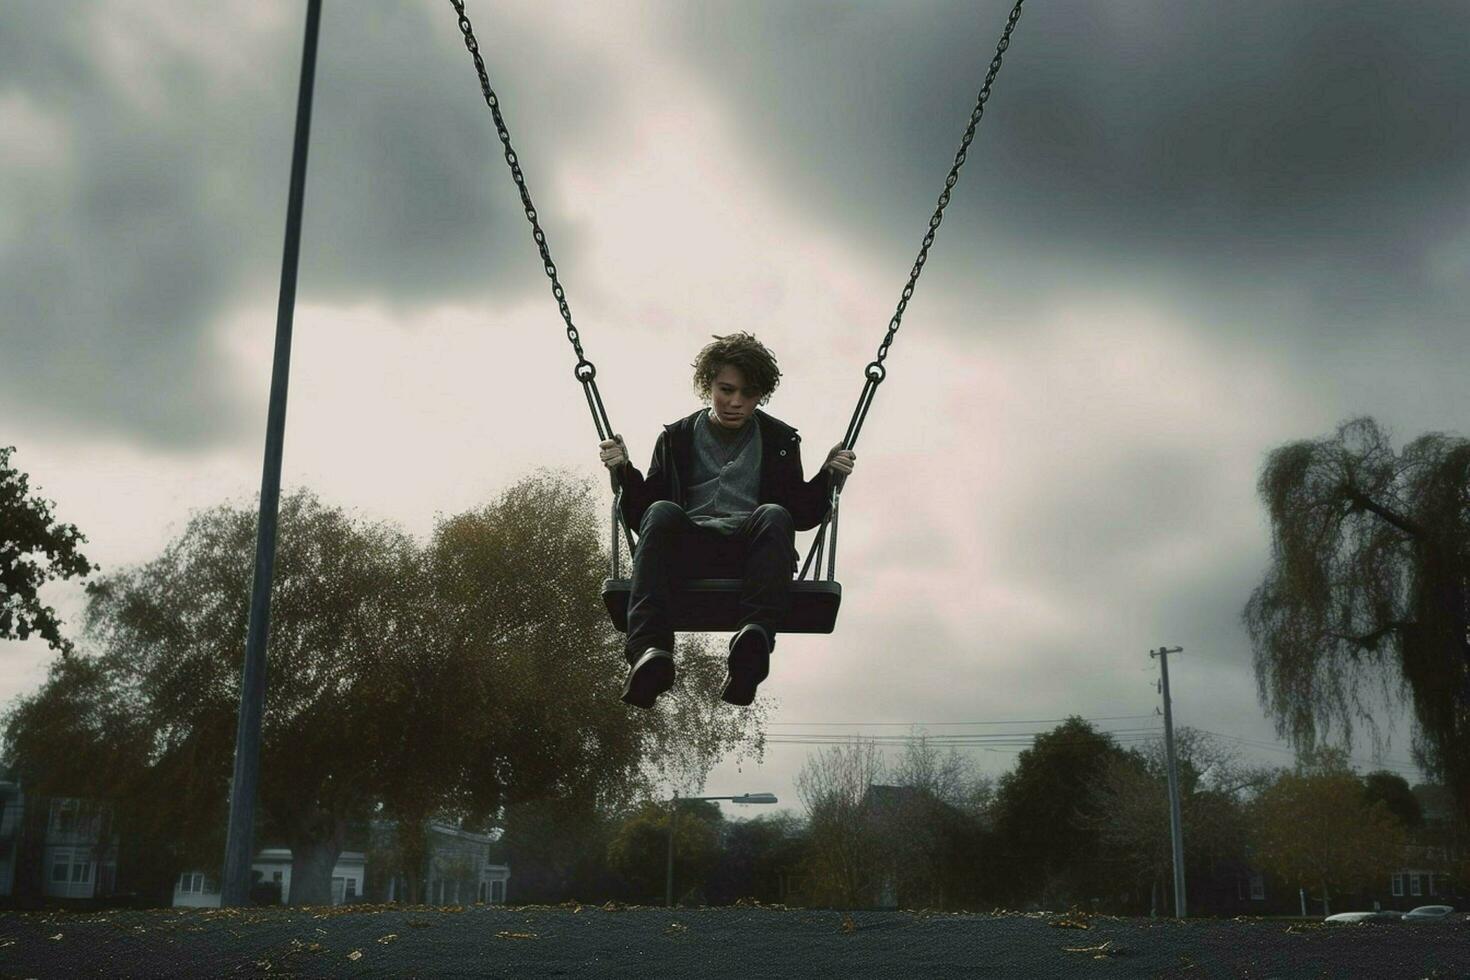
(1176,830)
(240,838)
(669,873)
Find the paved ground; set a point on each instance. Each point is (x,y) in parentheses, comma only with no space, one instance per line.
(743,942)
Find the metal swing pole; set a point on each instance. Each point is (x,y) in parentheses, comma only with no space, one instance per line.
(240,839)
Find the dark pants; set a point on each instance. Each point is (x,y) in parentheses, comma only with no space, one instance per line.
(671,547)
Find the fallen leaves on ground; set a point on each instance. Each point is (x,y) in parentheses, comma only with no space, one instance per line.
(1068,924)
(355,955)
(385,940)
(507,934)
(848,925)
(676,927)
(1305,927)
(1100,952)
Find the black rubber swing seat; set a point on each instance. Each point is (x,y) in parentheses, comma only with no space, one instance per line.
(712,605)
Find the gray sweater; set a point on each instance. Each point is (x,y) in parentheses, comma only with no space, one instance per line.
(725,480)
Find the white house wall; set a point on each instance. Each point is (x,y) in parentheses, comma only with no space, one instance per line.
(271,863)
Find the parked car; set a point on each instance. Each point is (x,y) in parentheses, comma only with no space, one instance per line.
(1351,917)
(1429,913)
(1389,915)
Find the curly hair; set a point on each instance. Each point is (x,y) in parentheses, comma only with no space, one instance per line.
(740,350)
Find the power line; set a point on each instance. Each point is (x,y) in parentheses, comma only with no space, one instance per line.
(1018,741)
(936,724)
(960,736)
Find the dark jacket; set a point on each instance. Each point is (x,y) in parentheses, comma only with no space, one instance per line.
(781,476)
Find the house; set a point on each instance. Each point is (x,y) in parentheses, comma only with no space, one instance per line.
(79,854)
(1436,847)
(11,804)
(65,849)
(69,840)
(457,869)
(272,866)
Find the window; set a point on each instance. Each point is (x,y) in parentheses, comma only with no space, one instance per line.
(60,867)
(191,882)
(1414,886)
(1398,885)
(81,872)
(1258,888)
(351,892)
(276,877)
(66,816)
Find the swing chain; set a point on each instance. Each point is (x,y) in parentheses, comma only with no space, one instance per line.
(585,371)
(875,371)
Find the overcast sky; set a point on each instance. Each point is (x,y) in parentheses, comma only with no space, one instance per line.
(1186,233)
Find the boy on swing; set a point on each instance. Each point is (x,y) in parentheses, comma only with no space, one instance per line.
(724,497)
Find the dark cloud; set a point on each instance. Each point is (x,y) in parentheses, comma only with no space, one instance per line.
(1320,148)
(164,203)
(1305,159)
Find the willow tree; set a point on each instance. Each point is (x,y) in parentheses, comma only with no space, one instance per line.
(1365,599)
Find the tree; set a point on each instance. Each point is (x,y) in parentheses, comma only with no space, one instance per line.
(639,849)
(521,628)
(1130,808)
(1314,826)
(1047,848)
(928,823)
(1367,590)
(346,605)
(758,859)
(34,549)
(558,850)
(843,864)
(75,738)
(1394,791)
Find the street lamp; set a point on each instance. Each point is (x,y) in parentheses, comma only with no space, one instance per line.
(674,819)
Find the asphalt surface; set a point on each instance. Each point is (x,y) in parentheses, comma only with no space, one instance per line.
(708,943)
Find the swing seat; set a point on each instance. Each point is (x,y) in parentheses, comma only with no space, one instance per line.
(712,605)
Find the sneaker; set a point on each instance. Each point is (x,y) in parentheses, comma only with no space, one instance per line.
(651,675)
(749,664)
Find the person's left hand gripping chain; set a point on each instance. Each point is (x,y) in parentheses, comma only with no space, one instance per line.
(840,460)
